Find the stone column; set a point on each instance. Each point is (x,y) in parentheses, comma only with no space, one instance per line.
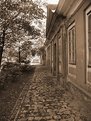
(57,56)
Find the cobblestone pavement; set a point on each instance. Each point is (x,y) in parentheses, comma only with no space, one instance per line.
(46,100)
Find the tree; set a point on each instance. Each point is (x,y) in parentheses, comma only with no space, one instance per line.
(15,19)
(25,51)
(42,52)
(34,51)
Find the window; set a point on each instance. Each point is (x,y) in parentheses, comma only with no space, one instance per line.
(88,31)
(72,44)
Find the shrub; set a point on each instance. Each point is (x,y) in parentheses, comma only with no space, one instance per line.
(2,80)
(27,68)
(10,72)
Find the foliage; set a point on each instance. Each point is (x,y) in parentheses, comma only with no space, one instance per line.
(16,20)
(14,13)
(33,51)
(25,50)
(12,72)
(41,50)
(27,68)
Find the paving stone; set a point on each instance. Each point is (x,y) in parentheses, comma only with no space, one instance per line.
(57,117)
(67,112)
(30,118)
(47,101)
(52,120)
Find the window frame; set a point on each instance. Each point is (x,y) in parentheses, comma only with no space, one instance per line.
(72,48)
(88,13)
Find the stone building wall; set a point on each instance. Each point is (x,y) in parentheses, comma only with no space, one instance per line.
(67,73)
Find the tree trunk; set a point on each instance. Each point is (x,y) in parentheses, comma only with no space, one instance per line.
(2,41)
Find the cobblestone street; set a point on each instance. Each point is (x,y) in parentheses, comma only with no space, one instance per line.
(46,100)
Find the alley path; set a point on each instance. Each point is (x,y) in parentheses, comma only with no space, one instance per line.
(46,100)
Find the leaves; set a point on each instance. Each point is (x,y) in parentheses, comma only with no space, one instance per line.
(16,18)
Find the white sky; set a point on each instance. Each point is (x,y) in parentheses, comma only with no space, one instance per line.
(53,1)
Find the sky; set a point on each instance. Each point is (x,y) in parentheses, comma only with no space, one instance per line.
(53,1)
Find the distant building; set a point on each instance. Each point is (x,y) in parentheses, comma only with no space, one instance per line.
(68,43)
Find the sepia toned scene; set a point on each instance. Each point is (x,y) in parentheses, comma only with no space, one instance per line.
(45,60)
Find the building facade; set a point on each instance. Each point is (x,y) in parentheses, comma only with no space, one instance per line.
(68,51)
